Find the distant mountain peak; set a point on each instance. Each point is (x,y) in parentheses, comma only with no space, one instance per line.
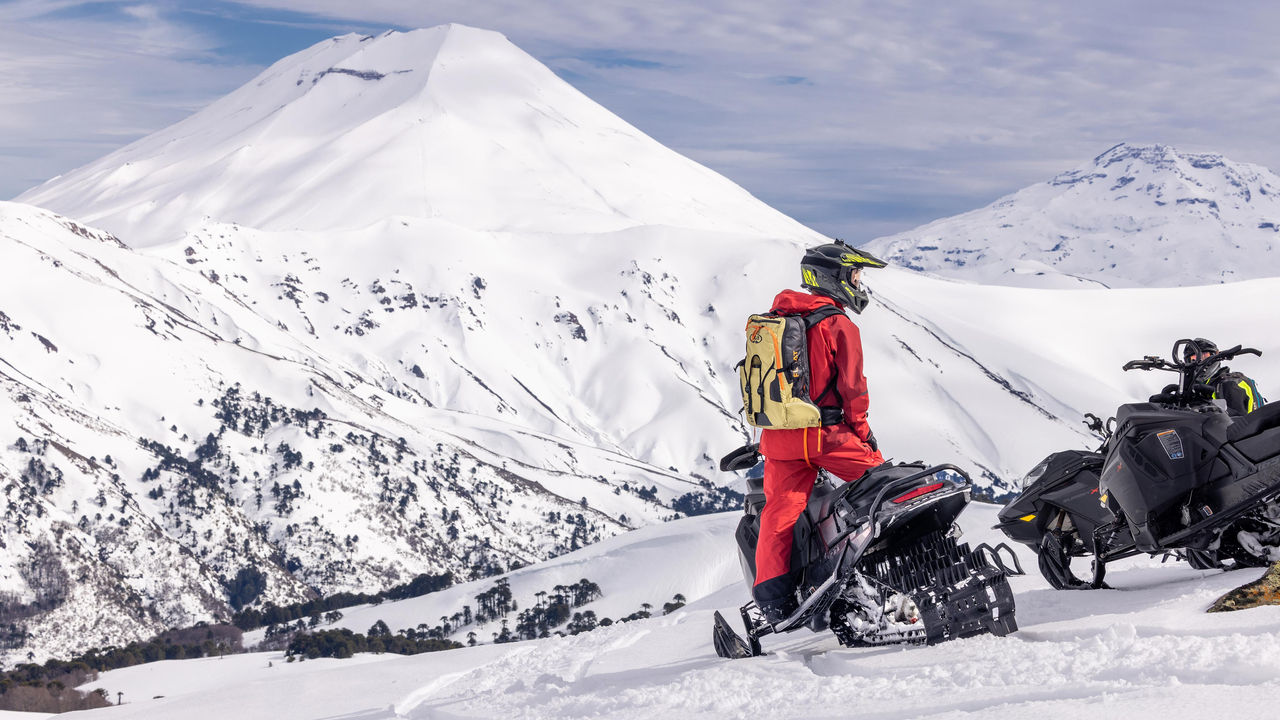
(450,123)
(1135,215)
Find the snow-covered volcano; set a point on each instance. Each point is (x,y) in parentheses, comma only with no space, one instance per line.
(1135,216)
(450,123)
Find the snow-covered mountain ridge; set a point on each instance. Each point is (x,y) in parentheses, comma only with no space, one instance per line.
(1135,216)
(438,225)
(162,438)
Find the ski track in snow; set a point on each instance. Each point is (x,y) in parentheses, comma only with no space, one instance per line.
(1145,649)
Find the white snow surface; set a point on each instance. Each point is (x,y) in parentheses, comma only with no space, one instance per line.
(1135,216)
(1144,649)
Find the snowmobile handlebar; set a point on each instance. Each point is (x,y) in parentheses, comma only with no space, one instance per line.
(1186,348)
(1100,427)
(1186,360)
(1150,362)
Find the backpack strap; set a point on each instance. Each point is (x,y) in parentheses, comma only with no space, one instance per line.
(822,313)
(831,415)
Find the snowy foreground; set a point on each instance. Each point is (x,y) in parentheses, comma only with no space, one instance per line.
(1143,650)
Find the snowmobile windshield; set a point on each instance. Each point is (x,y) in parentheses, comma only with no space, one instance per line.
(1030,478)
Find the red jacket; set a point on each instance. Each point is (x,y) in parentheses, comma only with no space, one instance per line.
(835,346)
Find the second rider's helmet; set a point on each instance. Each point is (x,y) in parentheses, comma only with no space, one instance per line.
(829,269)
(1201,349)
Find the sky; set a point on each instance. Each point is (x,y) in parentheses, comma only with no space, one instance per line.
(858,118)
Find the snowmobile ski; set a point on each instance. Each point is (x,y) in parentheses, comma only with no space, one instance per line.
(731,645)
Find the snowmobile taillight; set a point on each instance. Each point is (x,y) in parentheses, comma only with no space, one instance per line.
(917,493)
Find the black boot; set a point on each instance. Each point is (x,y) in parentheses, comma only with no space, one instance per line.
(778,610)
(776,598)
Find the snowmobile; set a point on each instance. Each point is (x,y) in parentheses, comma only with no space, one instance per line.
(877,561)
(1175,476)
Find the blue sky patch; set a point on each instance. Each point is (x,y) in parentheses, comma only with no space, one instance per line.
(113,11)
(260,36)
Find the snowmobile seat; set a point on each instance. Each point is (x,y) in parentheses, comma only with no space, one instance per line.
(825,494)
(866,488)
(1267,416)
(1257,435)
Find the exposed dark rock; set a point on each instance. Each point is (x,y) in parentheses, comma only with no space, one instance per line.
(1263,591)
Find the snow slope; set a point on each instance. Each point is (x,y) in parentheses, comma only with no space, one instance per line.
(1142,650)
(1135,216)
(160,437)
(989,378)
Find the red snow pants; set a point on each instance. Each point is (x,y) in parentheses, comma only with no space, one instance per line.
(787,487)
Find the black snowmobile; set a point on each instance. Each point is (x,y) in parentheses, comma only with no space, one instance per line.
(1175,475)
(877,561)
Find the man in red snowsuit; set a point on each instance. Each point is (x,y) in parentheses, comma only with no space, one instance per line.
(846,447)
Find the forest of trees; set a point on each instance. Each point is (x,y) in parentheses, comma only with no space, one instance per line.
(253,618)
(711,499)
(343,643)
(49,687)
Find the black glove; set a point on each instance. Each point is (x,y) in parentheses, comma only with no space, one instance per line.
(871,441)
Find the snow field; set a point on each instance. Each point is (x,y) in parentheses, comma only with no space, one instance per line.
(1145,649)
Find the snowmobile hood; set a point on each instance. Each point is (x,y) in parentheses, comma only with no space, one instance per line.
(792,302)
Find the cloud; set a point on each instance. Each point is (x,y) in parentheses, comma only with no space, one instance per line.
(856,117)
(82,79)
(611,59)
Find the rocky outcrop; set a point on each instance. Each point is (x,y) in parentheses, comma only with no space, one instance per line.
(1263,591)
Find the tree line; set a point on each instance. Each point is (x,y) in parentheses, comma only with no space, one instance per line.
(251,579)
(49,687)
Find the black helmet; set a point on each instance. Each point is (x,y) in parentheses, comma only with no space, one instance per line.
(828,270)
(1200,349)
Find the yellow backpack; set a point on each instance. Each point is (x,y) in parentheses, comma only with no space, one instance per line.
(774,375)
